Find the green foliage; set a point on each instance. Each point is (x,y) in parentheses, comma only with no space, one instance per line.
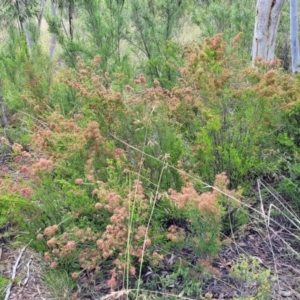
(59,284)
(14,55)
(227,17)
(234,219)
(62,200)
(164,66)
(230,123)
(114,198)
(288,185)
(155,23)
(288,139)
(108,33)
(164,143)
(189,286)
(230,139)
(104,26)
(204,233)
(250,271)
(64,98)
(16,211)
(3,283)
(195,230)
(11,10)
(107,27)
(289,135)
(88,200)
(283,42)
(26,80)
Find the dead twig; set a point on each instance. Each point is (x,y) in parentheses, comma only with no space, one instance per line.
(9,286)
(28,271)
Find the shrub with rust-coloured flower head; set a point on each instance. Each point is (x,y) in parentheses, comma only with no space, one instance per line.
(176,234)
(70,245)
(132,270)
(52,242)
(147,242)
(24,170)
(112,282)
(79,181)
(47,256)
(98,206)
(50,230)
(39,236)
(17,147)
(53,265)
(142,78)
(26,192)
(75,275)
(96,60)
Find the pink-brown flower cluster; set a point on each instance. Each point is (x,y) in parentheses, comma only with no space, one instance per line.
(42,165)
(50,230)
(176,234)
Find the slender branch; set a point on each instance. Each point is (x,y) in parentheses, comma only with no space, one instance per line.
(3,110)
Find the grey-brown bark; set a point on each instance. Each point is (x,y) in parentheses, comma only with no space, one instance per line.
(265,29)
(71,17)
(41,13)
(24,23)
(294,35)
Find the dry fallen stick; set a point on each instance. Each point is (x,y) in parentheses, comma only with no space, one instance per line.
(8,289)
(27,276)
(39,291)
(28,271)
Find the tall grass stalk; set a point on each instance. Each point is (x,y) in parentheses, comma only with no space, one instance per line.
(267,223)
(132,206)
(148,225)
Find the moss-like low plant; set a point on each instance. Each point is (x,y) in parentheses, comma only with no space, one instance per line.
(248,270)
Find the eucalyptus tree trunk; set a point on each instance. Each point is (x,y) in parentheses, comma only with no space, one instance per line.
(151,7)
(265,29)
(41,13)
(53,35)
(294,35)
(71,17)
(24,21)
